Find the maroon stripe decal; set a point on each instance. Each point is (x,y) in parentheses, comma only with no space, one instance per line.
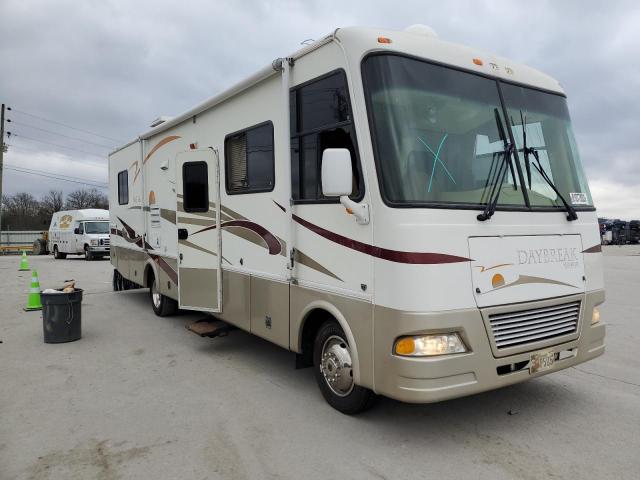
(420,258)
(161,262)
(273,244)
(594,249)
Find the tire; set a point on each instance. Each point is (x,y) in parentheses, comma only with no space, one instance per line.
(162,305)
(88,255)
(58,255)
(334,373)
(38,247)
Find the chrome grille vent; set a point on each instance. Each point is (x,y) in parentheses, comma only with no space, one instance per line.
(534,325)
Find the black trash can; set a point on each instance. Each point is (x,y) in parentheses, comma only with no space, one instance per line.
(61,316)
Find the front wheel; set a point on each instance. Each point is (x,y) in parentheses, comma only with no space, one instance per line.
(88,254)
(333,367)
(163,306)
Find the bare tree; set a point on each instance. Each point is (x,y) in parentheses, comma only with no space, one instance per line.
(52,202)
(21,205)
(83,198)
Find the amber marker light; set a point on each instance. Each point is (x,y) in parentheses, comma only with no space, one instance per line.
(595,318)
(429,345)
(384,40)
(477,61)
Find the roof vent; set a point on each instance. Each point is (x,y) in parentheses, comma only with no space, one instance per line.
(159,121)
(424,30)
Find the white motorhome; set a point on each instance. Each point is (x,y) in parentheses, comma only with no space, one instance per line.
(80,232)
(408,215)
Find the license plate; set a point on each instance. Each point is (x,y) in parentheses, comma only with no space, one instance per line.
(541,361)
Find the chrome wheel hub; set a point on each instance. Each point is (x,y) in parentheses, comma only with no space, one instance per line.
(155,295)
(336,365)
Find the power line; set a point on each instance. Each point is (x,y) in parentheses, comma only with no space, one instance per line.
(28,171)
(30,148)
(62,124)
(61,134)
(53,144)
(59,175)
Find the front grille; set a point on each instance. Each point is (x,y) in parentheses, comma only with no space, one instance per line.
(534,325)
(104,241)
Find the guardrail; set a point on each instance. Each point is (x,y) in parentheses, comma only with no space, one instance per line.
(18,240)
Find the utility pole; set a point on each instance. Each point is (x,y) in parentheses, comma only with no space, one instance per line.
(1,165)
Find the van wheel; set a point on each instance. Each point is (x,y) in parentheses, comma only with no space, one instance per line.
(88,255)
(58,255)
(163,306)
(333,369)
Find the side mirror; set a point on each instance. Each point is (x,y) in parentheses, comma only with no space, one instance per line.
(337,175)
(337,179)
(76,231)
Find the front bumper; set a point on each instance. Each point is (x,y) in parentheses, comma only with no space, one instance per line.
(426,380)
(99,248)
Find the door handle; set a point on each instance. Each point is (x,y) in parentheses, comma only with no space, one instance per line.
(183,234)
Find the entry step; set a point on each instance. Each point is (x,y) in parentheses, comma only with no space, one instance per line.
(209,327)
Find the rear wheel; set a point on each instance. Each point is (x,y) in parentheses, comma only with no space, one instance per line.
(163,306)
(333,367)
(38,247)
(57,254)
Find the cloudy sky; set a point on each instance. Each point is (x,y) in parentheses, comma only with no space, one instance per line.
(109,67)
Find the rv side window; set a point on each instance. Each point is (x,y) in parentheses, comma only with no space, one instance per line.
(249,160)
(123,187)
(195,187)
(320,119)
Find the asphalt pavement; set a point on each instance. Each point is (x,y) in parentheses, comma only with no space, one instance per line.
(140,397)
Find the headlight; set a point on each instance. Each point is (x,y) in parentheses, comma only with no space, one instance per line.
(595,317)
(429,345)
(94,242)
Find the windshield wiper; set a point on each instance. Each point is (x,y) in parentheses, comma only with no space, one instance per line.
(571,213)
(500,173)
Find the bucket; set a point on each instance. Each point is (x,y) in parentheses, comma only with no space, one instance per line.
(61,316)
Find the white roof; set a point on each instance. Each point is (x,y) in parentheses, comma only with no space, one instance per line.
(359,41)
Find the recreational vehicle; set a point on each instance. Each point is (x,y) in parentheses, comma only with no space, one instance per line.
(407,215)
(79,232)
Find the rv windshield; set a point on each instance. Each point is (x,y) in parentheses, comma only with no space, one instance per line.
(437,138)
(96,227)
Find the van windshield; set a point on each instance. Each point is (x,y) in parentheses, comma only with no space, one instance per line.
(438,141)
(96,227)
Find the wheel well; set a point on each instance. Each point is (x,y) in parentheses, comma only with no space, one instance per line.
(310,326)
(149,275)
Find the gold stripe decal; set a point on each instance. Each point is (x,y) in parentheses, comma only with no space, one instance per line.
(158,145)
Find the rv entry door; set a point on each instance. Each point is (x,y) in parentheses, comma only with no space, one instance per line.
(198,230)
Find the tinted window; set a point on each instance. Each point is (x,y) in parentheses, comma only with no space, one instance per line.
(320,119)
(195,183)
(123,187)
(249,160)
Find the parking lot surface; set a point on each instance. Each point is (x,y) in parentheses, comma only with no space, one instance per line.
(140,397)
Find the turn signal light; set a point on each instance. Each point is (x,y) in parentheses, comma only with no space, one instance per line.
(595,318)
(477,61)
(429,345)
(384,40)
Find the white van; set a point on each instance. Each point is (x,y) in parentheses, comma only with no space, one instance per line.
(79,232)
